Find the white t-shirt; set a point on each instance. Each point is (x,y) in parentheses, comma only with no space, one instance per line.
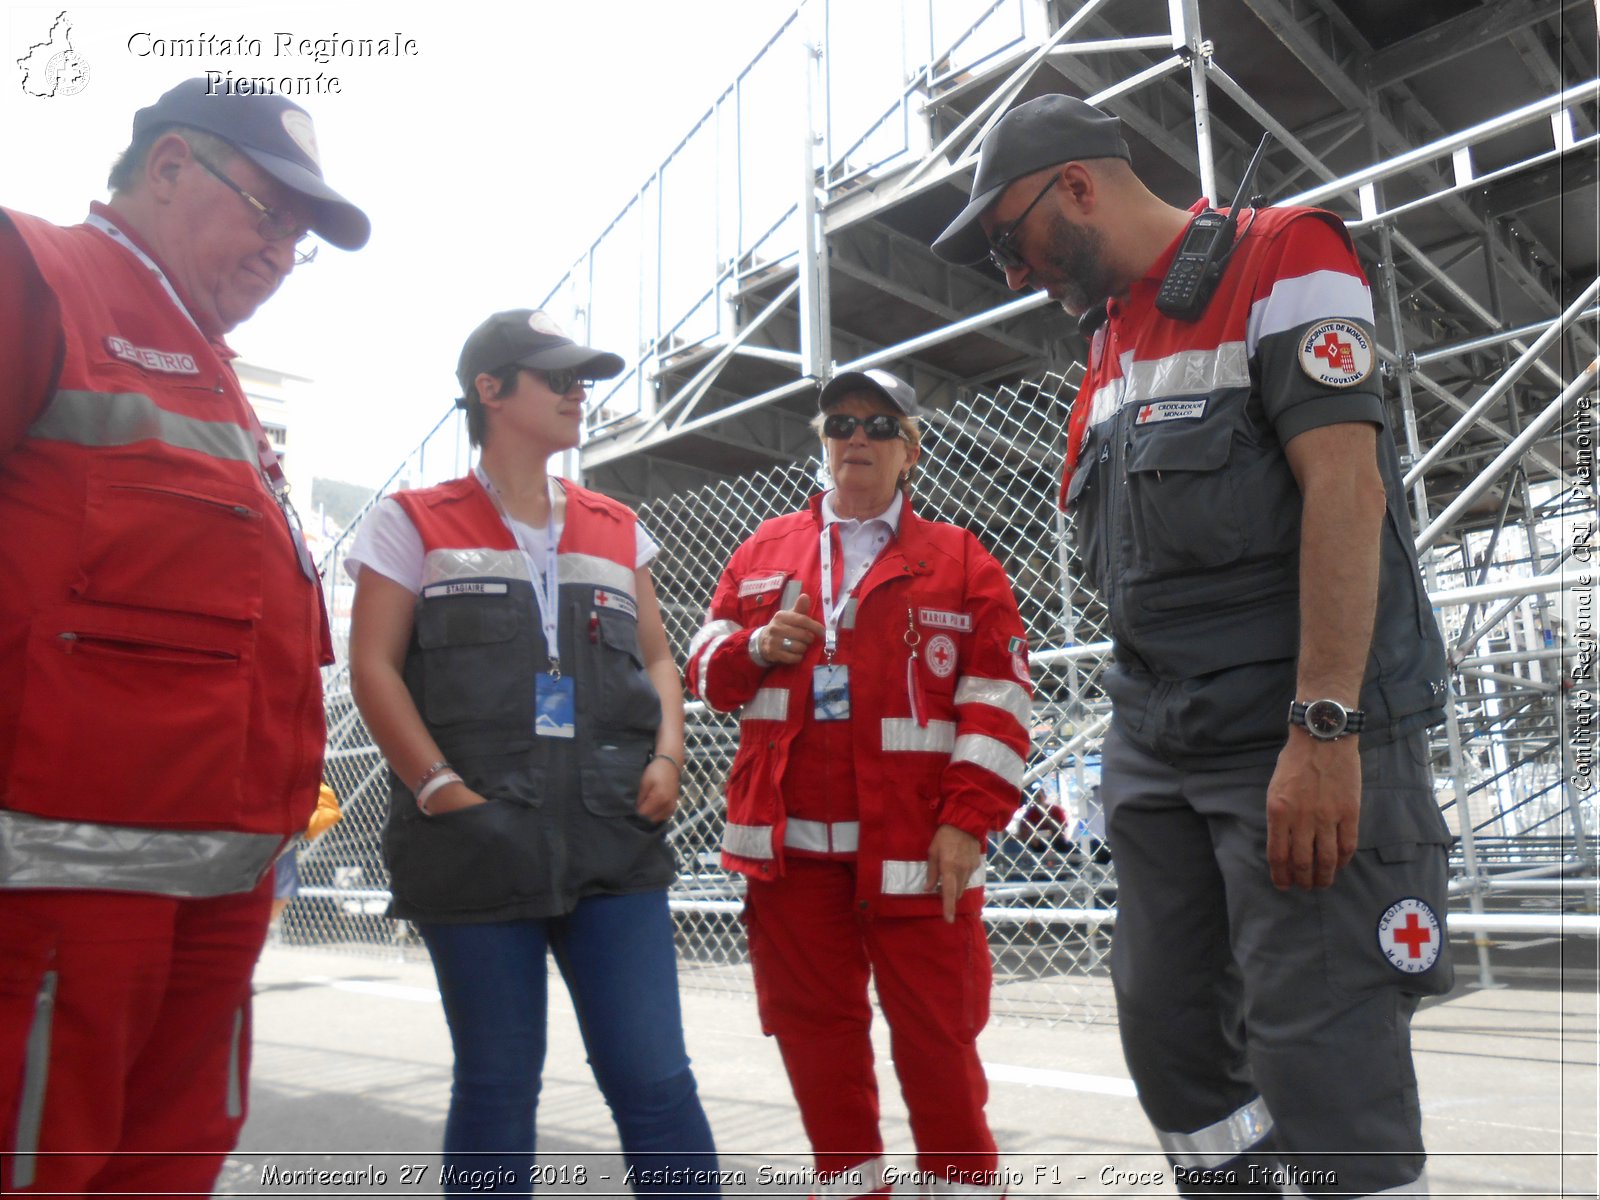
(389,543)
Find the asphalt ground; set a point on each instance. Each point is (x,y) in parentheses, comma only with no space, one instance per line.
(351,1082)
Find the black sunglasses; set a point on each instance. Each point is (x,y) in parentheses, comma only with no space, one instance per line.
(559,380)
(1003,248)
(880,427)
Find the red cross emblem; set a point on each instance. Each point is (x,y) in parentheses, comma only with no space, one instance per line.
(601,599)
(1339,355)
(1145,413)
(941,656)
(1413,936)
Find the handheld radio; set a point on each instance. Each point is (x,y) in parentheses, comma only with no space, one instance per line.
(1203,254)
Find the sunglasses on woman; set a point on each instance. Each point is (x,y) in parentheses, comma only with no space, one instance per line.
(880,427)
(559,380)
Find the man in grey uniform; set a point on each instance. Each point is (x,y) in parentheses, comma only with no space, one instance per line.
(1236,500)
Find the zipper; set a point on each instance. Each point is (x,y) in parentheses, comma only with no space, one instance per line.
(74,642)
(242,511)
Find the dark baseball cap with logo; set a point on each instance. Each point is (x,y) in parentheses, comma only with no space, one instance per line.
(529,337)
(1039,134)
(892,388)
(274,133)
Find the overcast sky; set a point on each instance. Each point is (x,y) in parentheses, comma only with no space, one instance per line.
(487,161)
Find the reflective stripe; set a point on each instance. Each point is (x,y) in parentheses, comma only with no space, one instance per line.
(840,837)
(35,1077)
(475,563)
(1216,1144)
(590,569)
(903,878)
(996,693)
(1306,298)
(705,644)
(235,1101)
(125,418)
(441,566)
(40,853)
(1186,373)
(791,594)
(991,754)
(902,733)
(863,1179)
(768,704)
(748,841)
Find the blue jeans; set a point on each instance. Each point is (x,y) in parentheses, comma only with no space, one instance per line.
(617,957)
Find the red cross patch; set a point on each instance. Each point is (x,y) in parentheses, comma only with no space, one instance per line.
(1336,353)
(941,655)
(1410,936)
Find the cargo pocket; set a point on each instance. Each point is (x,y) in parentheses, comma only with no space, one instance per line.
(611,783)
(626,699)
(1182,505)
(90,676)
(463,643)
(1087,536)
(469,860)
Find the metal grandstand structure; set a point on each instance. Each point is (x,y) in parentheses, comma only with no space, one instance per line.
(786,237)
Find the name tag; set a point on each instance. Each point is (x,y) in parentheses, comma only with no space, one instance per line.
(759,586)
(935,618)
(1170,410)
(470,587)
(171,362)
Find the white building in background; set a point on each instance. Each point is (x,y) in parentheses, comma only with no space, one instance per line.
(276,396)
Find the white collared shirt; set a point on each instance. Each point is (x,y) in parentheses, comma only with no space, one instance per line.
(861,541)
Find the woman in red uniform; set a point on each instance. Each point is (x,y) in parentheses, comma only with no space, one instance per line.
(881,670)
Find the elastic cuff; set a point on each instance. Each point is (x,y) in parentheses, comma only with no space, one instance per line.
(969,820)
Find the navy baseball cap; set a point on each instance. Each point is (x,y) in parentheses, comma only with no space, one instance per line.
(529,337)
(274,133)
(892,388)
(1039,134)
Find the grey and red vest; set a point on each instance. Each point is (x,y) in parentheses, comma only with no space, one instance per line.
(161,721)
(560,823)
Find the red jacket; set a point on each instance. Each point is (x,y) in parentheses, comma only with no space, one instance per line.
(961,763)
(160,639)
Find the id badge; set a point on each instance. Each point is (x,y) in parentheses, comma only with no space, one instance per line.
(830,692)
(554,706)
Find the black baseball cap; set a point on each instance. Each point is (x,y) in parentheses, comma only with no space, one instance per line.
(274,133)
(529,337)
(1041,133)
(892,388)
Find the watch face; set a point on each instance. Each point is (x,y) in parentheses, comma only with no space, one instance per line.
(1325,718)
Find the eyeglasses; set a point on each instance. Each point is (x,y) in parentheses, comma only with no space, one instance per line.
(559,380)
(880,427)
(1003,249)
(273,225)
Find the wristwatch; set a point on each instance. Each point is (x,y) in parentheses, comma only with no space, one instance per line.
(1326,720)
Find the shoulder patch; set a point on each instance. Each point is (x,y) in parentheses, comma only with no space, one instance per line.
(1336,353)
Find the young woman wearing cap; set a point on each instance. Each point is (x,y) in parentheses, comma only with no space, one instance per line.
(880,665)
(508,655)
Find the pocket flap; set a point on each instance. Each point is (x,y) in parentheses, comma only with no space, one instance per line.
(1202,446)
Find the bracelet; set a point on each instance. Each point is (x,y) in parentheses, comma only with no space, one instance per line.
(441,765)
(669,758)
(442,779)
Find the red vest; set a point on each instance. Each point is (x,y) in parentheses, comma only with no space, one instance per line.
(159,639)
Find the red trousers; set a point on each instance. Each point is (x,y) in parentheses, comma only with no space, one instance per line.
(813,952)
(124,1038)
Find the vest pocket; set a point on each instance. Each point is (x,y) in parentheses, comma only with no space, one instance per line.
(467,672)
(611,779)
(195,549)
(626,699)
(90,676)
(469,860)
(1182,505)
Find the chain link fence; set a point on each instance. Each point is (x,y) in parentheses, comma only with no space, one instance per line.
(991,463)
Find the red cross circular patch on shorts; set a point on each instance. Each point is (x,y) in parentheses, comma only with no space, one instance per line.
(1336,353)
(1409,936)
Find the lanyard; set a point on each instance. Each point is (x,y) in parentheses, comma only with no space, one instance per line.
(831,610)
(546,584)
(267,458)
